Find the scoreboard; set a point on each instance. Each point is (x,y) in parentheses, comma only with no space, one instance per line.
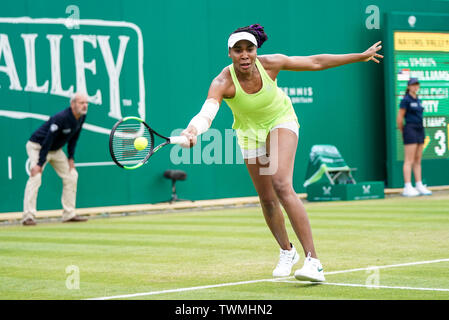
(425,56)
(418,47)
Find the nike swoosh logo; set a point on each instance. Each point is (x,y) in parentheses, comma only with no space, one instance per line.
(320,269)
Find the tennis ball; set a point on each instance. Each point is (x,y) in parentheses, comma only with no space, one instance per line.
(140,143)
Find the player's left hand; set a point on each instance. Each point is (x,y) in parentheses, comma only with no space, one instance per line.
(371,53)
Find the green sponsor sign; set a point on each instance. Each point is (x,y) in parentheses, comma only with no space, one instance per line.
(342,192)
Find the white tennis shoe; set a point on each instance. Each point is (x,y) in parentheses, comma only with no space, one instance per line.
(423,190)
(287,258)
(410,192)
(311,271)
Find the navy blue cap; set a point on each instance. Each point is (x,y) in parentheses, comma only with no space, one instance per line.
(412,81)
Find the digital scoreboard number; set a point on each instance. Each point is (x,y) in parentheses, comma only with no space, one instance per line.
(425,55)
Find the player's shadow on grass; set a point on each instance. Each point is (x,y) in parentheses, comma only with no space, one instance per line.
(308,284)
(302,284)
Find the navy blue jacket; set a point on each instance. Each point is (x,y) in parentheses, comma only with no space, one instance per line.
(56,132)
(414,109)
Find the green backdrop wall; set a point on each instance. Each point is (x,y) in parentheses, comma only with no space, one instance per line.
(171,52)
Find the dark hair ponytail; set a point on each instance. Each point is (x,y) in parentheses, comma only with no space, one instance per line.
(257,31)
(406,91)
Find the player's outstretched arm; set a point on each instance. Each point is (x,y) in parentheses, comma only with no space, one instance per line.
(202,121)
(324,61)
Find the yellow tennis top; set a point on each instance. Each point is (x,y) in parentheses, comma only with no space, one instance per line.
(256,114)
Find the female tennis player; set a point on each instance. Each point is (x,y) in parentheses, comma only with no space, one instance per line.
(267,130)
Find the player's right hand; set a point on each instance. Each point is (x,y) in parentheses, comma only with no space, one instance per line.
(190,133)
(371,52)
(35,170)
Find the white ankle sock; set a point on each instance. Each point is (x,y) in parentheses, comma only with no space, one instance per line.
(408,185)
(419,184)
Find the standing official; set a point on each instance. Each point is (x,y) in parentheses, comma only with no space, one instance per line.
(45,145)
(413,134)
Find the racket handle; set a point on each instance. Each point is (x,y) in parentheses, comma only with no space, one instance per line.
(179,140)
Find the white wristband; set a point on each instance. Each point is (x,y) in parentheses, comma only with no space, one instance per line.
(200,123)
(210,109)
(203,120)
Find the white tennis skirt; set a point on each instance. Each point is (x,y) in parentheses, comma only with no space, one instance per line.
(262,151)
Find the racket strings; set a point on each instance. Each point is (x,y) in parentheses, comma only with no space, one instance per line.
(123,141)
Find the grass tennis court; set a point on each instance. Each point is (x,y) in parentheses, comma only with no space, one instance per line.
(230,254)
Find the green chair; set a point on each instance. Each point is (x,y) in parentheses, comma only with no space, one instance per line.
(326,162)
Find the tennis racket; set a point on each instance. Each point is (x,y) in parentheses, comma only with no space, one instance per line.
(131,142)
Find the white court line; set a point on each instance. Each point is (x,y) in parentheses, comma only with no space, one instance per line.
(181,289)
(261,280)
(389,266)
(364,286)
